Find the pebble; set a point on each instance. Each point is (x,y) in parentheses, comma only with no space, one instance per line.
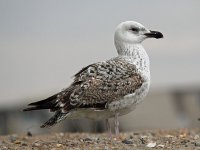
(4,147)
(169,136)
(36,144)
(61,134)
(161,146)
(185,141)
(87,139)
(17,142)
(196,137)
(143,139)
(29,134)
(24,144)
(127,141)
(58,145)
(131,137)
(151,144)
(183,135)
(13,138)
(197,143)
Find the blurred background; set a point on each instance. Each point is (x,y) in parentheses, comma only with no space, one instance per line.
(43,43)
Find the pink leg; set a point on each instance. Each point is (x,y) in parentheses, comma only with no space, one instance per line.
(116,121)
(108,128)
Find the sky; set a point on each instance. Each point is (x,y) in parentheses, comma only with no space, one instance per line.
(43,43)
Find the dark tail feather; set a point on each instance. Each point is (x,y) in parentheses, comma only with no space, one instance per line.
(34,108)
(49,103)
(58,116)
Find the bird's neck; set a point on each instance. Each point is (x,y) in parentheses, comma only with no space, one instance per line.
(135,54)
(129,49)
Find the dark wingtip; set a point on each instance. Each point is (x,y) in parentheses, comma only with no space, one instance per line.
(58,116)
(43,126)
(31,104)
(30,109)
(51,122)
(25,109)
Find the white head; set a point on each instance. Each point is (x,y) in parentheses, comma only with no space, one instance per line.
(131,32)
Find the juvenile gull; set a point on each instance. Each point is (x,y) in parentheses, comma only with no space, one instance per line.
(106,89)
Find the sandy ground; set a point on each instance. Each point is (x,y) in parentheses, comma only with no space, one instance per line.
(182,139)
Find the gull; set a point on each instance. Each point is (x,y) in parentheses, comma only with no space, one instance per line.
(106,89)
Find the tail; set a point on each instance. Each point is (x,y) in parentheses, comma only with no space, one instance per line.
(57,117)
(49,103)
(53,104)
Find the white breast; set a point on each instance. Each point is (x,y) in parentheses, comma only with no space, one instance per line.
(140,59)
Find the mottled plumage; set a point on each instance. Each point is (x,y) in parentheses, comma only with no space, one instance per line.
(104,82)
(106,89)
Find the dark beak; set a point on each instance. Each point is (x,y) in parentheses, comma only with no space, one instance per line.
(154,34)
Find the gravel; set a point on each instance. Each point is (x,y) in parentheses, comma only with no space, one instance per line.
(127,141)
(182,139)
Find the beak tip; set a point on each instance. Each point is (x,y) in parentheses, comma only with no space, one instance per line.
(154,34)
(159,36)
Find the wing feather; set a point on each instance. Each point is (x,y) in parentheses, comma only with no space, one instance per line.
(101,83)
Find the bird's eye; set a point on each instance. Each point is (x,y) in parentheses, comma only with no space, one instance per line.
(134,29)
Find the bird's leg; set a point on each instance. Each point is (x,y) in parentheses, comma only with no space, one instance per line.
(116,122)
(108,128)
